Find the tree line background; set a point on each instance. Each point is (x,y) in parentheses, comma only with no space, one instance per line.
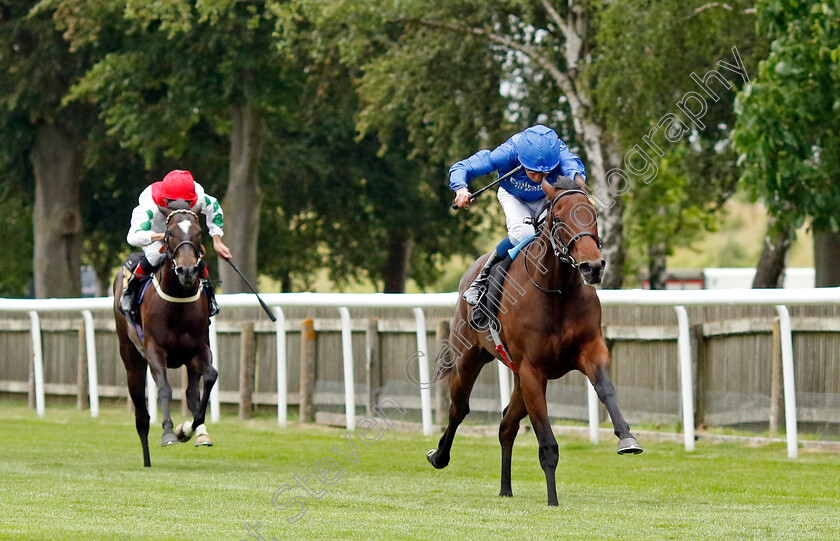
(326,128)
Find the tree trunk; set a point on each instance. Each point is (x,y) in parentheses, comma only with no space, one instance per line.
(601,157)
(610,222)
(104,277)
(56,217)
(826,258)
(770,270)
(656,265)
(396,267)
(243,199)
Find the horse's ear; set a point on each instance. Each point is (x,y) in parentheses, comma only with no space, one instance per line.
(549,190)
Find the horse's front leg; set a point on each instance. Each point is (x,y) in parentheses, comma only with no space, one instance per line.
(533,391)
(508,429)
(157,358)
(595,364)
(204,364)
(185,430)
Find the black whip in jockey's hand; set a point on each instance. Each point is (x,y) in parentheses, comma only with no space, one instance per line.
(254,291)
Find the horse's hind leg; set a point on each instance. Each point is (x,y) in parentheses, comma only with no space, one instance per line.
(137,391)
(461,381)
(597,374)
(514,412)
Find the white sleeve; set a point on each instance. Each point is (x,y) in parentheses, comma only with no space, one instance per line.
(215,217)
(140,233)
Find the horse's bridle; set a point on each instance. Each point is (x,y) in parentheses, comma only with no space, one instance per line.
(199,251)
(561,251)
(564,251)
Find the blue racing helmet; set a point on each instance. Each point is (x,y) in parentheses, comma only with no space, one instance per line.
(538,149)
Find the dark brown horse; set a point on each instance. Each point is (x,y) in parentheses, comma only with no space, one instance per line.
(550,323)
(174,331)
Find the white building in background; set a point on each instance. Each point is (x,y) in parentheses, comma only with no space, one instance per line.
(797,278)
(728,278)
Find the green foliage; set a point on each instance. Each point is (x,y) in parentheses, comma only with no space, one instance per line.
(37,66)
(16,232)
(788,117)
(645,56)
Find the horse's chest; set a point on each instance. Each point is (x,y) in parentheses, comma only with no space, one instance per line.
(179,341)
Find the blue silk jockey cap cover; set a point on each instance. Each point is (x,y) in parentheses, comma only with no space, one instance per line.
(538,149)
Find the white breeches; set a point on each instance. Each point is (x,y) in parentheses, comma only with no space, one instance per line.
(516,210)
(153,253)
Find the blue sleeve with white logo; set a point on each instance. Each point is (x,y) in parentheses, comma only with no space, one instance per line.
(501,159)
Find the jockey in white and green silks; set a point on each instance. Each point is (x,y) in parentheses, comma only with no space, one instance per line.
(148,225)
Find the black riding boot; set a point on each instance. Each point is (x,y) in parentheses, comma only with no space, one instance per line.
(474,292)
(129,292)
(210,291)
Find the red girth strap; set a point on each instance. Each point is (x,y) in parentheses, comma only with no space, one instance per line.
(501,349)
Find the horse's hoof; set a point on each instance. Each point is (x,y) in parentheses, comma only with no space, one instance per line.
(629,446)
(430,456)
(184,431)
(203,440)
(168,438)
(506,494)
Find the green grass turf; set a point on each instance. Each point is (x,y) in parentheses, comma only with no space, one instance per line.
(68,476)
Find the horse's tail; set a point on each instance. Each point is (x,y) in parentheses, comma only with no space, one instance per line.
(444,361)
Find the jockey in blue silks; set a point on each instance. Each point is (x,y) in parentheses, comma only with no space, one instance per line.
(543,157)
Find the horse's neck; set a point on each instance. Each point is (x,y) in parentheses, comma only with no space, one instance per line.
(558,275)
(169,283)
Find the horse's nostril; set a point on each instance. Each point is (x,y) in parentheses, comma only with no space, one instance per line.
(585,267)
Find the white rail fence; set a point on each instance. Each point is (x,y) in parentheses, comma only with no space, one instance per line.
(781,299)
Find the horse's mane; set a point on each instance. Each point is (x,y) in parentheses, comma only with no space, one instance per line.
(181,211)
(565,183)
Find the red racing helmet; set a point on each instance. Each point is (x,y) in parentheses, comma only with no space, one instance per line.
(179,184)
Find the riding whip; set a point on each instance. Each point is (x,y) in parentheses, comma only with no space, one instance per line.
(254,291)
(498,180)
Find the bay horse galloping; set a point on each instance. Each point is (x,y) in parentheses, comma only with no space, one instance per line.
(172,331)
(548,323)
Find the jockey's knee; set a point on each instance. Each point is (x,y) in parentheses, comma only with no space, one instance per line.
(520,232)
(153,255)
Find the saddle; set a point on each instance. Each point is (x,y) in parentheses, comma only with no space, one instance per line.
(483,314)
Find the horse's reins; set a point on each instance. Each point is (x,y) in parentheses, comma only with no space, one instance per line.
(563,251)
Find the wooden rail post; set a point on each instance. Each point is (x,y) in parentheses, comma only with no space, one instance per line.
(307,370)
(247,368)
(441,386)
(776,379)
(81,370)
(373,365)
